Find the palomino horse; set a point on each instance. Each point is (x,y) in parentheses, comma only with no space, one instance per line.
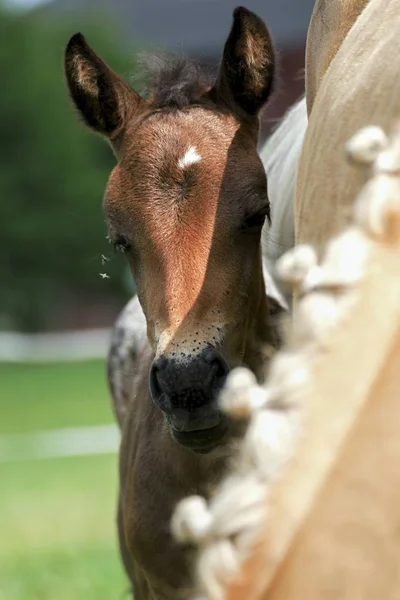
(186,203)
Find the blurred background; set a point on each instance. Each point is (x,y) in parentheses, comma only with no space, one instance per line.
(58,443)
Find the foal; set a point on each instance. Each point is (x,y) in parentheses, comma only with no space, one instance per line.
(186,204)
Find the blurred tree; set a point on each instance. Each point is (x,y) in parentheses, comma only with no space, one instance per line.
(52,176)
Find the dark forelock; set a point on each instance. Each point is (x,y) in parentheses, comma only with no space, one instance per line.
(175,82)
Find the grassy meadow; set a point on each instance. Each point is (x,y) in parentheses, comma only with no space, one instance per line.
(57,515)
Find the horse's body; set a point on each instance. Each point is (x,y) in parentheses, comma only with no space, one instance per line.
(352,82)
(186,203)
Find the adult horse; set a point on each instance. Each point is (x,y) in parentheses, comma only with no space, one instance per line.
(186,203)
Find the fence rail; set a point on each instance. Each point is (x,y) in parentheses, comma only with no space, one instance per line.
(54,347)
(59,443)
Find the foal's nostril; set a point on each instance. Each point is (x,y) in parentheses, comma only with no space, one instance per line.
(216,361)
(161,363)
(155,388)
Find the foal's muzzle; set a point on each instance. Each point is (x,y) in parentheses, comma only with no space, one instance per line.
(187,394)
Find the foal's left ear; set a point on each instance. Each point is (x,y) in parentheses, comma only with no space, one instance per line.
(103,98)
(247,69)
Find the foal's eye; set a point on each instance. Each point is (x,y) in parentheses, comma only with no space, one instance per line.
(256,220)
(121,243)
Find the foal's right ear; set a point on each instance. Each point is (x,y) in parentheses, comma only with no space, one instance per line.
(104,99)
(247,70)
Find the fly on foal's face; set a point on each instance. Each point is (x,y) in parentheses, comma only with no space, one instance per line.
(186,203)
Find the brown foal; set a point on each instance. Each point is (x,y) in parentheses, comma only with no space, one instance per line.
(186,203)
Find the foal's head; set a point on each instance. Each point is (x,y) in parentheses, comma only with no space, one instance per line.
(186,203)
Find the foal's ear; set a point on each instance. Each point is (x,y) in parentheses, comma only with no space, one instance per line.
(104,100)
(246,72)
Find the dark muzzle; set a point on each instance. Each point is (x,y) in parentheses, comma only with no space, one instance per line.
(187,391)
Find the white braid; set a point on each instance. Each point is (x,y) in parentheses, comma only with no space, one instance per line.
(225,528)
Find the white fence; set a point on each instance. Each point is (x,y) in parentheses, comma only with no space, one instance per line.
(54,347)
(60,443)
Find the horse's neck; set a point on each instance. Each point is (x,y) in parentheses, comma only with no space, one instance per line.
(280,156)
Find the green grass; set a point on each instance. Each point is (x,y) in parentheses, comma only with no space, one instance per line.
(57,516)
(53,395)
